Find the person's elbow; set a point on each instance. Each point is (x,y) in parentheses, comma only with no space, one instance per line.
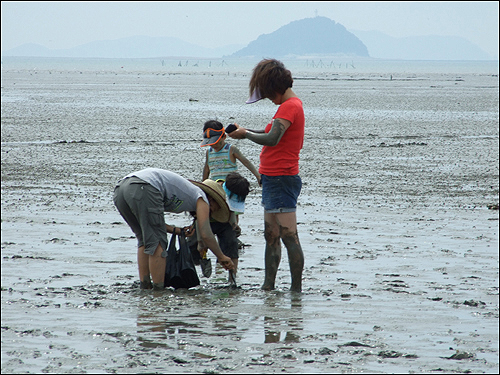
(272,141)
(206,237)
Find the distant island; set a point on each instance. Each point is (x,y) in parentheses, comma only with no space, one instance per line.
(309,36)
(317,36)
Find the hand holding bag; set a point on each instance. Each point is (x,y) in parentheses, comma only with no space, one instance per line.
(180,271)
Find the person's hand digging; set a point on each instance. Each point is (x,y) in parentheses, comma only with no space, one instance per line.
(226,262)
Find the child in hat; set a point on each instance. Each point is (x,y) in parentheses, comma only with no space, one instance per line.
(221,156)
(236,188)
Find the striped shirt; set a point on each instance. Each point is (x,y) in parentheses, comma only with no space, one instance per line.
(220,163)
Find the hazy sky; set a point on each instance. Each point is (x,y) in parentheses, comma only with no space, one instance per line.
(215,24)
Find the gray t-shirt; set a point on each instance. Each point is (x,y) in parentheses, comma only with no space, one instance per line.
(179,195)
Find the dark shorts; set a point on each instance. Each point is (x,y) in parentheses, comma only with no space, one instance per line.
(280,193)
(141,206)
(228,241)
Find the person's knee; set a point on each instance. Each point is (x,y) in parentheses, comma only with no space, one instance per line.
(158,252)
(292,244)
(288,236)
(271,233)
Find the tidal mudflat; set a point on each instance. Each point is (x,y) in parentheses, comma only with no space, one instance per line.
(398,219)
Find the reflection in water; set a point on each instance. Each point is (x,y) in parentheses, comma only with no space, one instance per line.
(161,329)
(158,326)
(271,335)
(147,323)
(170,321)
(281,320)
(283,324)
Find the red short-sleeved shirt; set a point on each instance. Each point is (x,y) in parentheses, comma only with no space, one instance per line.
(283,159)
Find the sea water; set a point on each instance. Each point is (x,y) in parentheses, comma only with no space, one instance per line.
(304,65)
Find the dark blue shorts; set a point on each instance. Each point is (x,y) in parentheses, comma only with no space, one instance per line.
(280,193)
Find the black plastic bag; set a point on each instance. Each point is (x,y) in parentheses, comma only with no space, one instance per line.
(180,271)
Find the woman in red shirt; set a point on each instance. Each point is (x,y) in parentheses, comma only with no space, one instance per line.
(282,140)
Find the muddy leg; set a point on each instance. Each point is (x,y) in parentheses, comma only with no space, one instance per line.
(146,283)
(157,265)
(143,265)
(295,258)
(272,254)
(234,271)
(151,266)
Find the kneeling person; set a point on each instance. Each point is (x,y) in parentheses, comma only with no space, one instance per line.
(236,188)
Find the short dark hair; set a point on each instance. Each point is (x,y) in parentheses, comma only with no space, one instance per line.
(271,77)
(213,124)
(237,184)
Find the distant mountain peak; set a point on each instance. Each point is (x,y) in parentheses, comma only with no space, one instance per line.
(309,36)
(138,46)
(316,37)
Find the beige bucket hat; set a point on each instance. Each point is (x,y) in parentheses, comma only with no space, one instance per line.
(216,191)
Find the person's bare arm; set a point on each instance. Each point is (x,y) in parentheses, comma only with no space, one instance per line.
(206,235)
(247,163)
(240,132)
(257,131)
(272,138)
(206,168)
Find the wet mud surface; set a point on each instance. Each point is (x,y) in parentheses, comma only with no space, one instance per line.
(398,220)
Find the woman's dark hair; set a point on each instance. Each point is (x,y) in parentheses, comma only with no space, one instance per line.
(237,184)
(271,77)
(213,124)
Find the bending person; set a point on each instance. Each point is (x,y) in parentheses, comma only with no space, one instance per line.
(142,198)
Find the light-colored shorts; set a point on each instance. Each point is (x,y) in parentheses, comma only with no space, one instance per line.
(141,206)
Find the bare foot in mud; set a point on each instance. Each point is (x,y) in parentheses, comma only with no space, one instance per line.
(267,287)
